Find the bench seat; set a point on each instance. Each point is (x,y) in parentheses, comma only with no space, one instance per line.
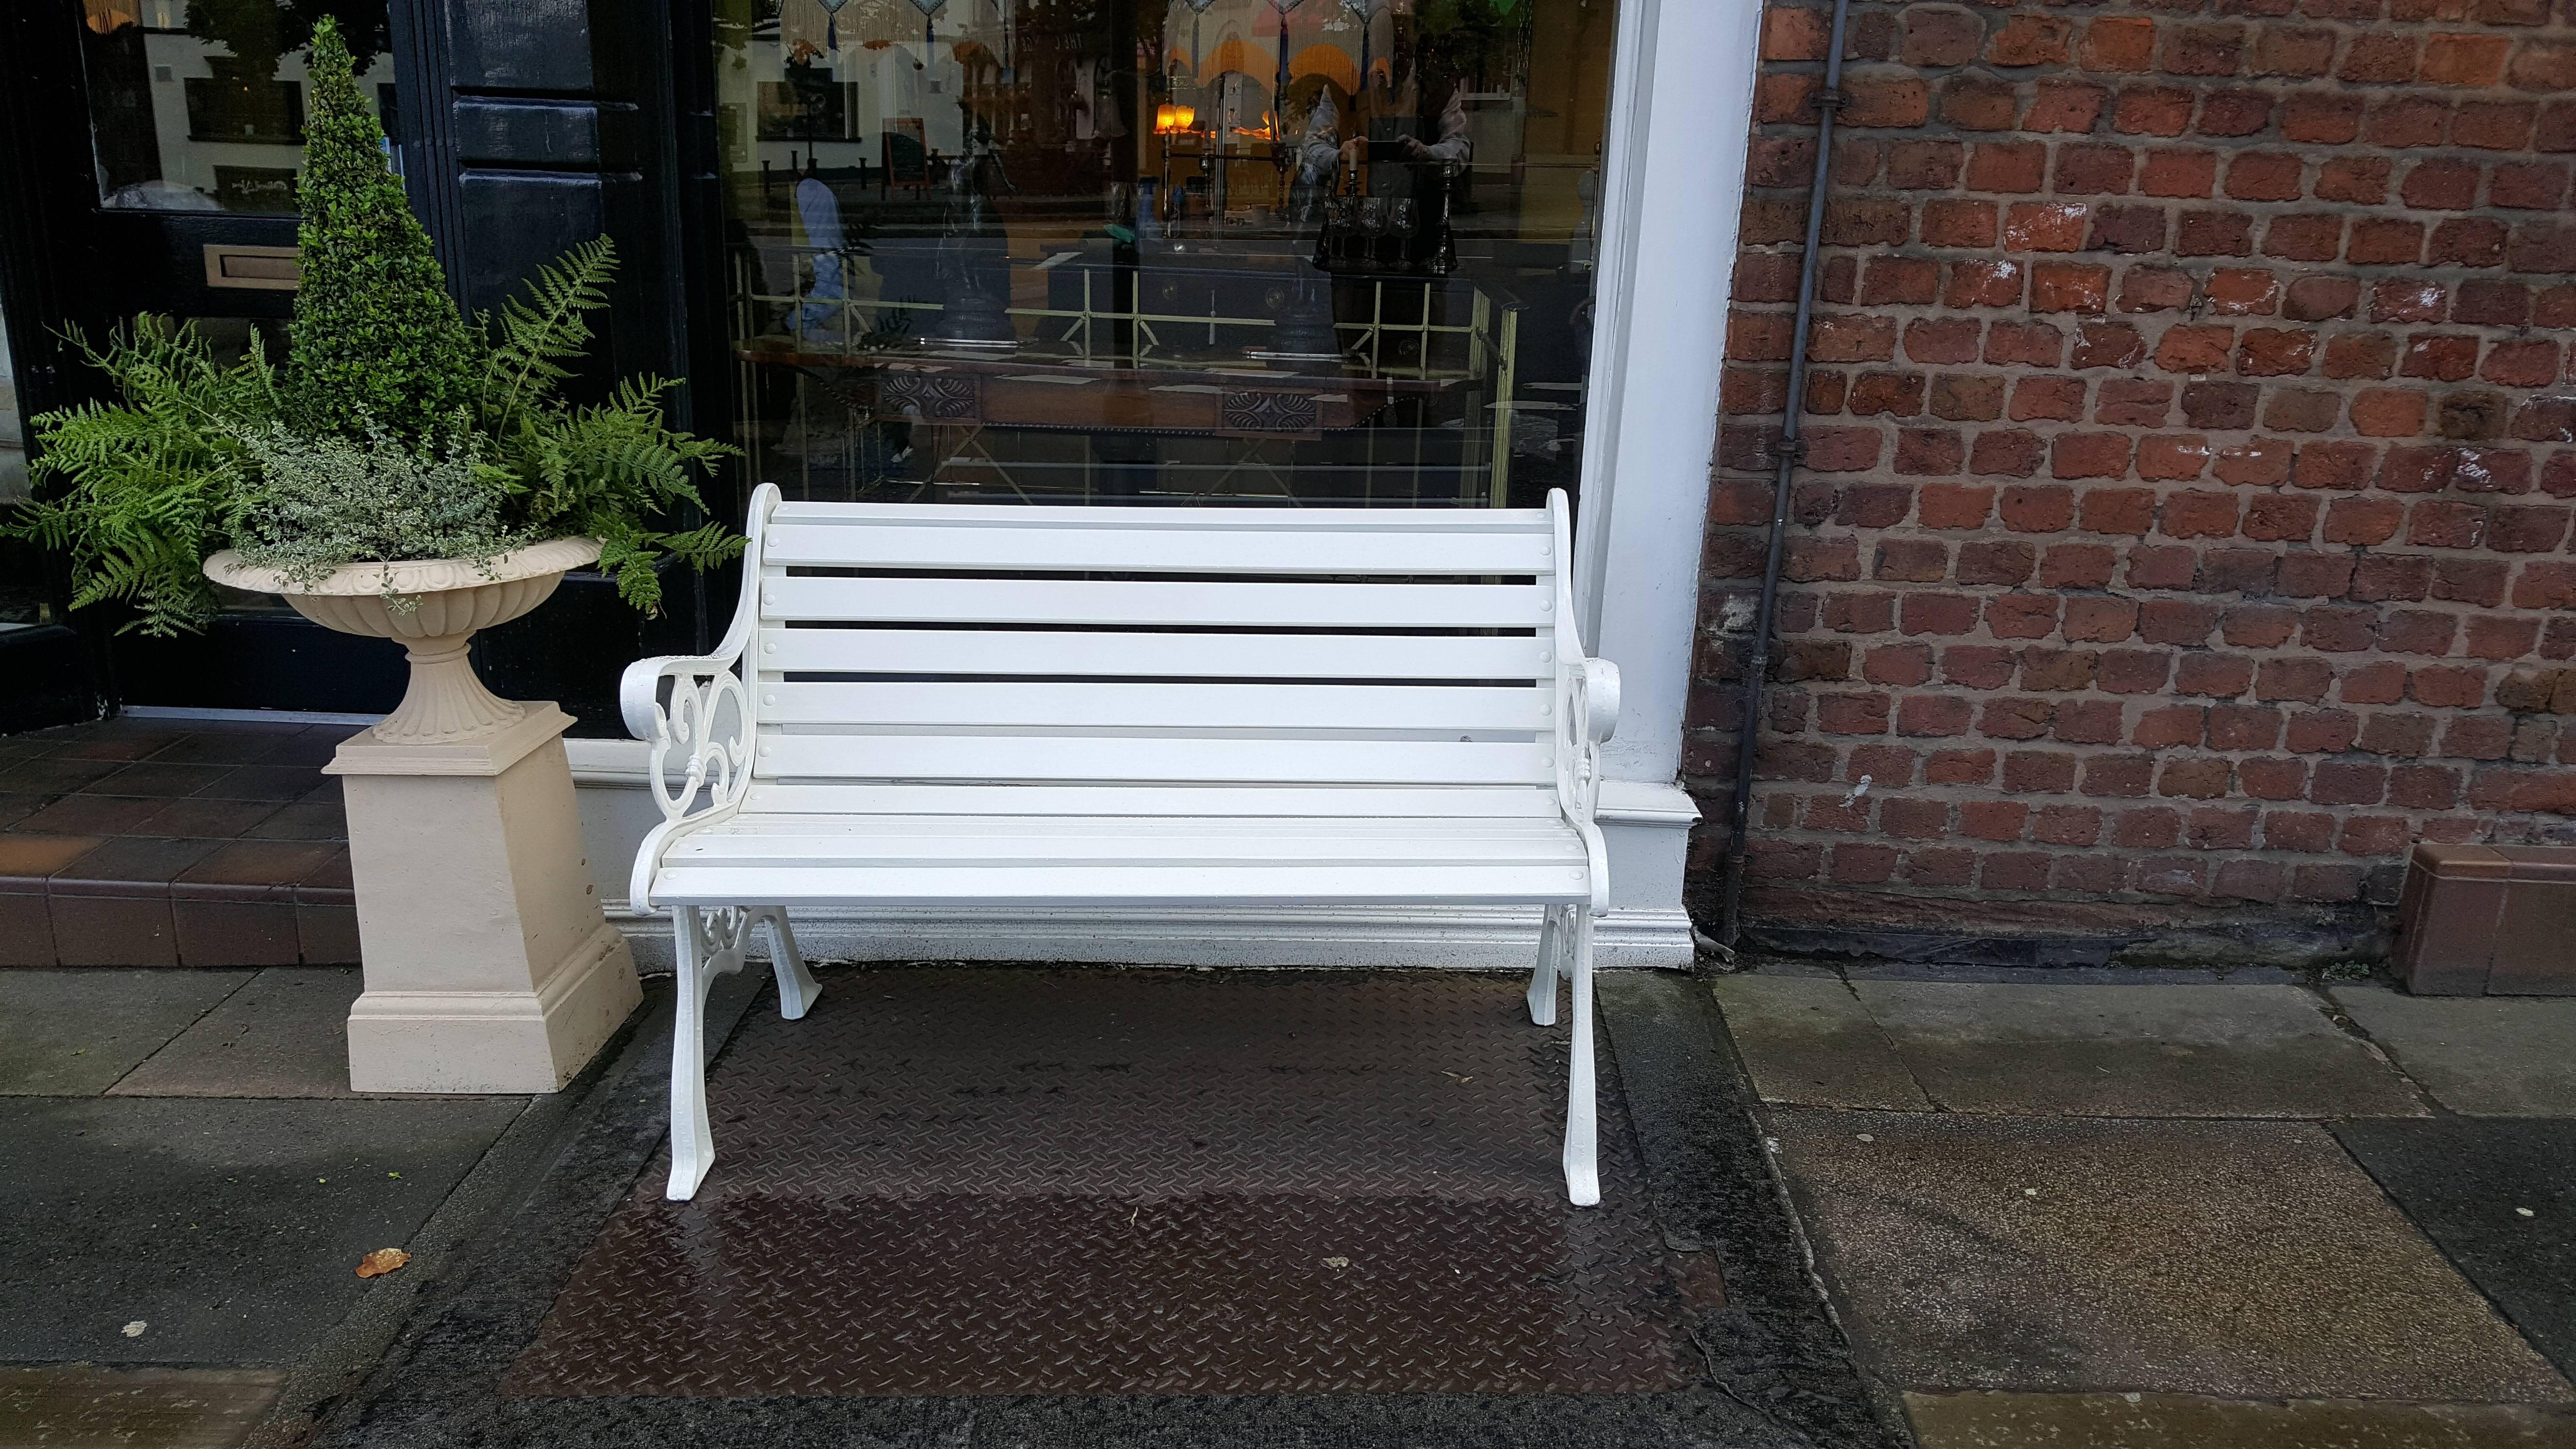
(1042,707)
(1126,859)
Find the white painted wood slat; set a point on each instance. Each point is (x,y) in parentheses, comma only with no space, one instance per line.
(1123,885)
(1059,549)
(1146,655)
(1423,524)
(1272,708)
(1279,804)
(954,755)
(1149,603)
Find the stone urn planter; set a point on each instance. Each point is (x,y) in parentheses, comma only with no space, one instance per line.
(490,966)
(434,608)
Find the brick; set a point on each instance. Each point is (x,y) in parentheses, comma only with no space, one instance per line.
(2033,344)
(2441,186)
(2280,518)
(1940,36)
(2273,779)
(2176,172)
(2016,719)
(2312,237)
(1989,283)
(2275,352)
(1976,666)
(1943,339)
(2026,40)
(2494,125)
(2011,167)
(2118,44)
(1979,103)
(2290,50)
(1962,397)
(2153,828)
(2464,59)
(2215,234)
(2151,111)
(2048,397)
(2220,406)
(2172,457)
(2448,358)
(2363,521)
(2195,348)
(1929,452)
(2199,514)
(2044,227)
(2260,463)
(2091,170)
(2527,186)
(2005,452)
(2389,412)
(2157,289)
(2521,363)
(2321,118)
(2134,402)
(2089,455)
(2469,241)
(1899,280)
(2235,113)
(2201,50)
(2380,57)
(2127,230)
(2169,726)
(2385,242)
(2265,176)
(2065,106)
(2302,410)
(2409,299)
(2361,180)
(1958,222)
(2021,616)
(1877,99)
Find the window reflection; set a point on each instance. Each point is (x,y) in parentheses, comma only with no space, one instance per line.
(1257,251)
(198,105)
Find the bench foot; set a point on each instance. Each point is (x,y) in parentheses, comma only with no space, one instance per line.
(797,987)
(1582,1129)
(1542,987)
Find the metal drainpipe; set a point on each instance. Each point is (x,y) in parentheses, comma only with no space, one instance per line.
(1792,449)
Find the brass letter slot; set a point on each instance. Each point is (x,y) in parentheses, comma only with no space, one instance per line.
(263,269)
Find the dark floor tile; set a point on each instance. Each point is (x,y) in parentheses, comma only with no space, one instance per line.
(17,805)
(131,745)
(2499,1195)
(156,779)
(252,869)
(26,931)
(314,747)
(92,815)
(53,775)
(113,931)
(304,820)
(284,1197)
(326,935)
(81,1405)
(227,743)
(236,933)
(330,882)
(24,747)
(263,782)
(33,858)
(129,866)
(210,819)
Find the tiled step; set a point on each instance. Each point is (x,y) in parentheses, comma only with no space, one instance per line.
(174,843)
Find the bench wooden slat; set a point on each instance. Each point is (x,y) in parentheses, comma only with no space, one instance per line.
(1122,603)
(1275,709)
(955,755)
(1419,522)
(1062,549)
(995,652)
(1147,885)
(843,841)
(1279,803)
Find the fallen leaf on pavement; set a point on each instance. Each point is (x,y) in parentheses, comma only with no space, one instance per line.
(382,1261)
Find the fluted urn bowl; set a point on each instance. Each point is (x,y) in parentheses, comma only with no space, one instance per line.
(433,607)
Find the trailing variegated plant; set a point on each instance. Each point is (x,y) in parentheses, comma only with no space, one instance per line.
(395,430)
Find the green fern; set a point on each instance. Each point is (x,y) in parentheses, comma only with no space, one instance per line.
(537,335)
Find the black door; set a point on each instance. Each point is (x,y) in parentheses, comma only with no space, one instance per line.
(156,145)
(148,156)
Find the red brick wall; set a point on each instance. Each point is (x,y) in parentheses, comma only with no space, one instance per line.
(2187,516)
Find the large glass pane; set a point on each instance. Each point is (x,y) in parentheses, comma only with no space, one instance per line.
(1256,251)
(198,105)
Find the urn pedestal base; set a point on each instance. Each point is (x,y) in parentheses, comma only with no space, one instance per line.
(489,966)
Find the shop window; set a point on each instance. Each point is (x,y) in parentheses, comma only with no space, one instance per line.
(1324,252)
(198,105)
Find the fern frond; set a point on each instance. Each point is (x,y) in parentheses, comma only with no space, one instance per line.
(539,331)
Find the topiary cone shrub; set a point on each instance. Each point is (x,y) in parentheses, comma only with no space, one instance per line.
(375,334)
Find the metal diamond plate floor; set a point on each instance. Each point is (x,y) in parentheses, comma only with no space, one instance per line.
(1108,1182)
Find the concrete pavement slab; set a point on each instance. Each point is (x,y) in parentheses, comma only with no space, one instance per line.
(2167,1421)
(285,1034)
(1808,1041)
(2238,1259)
(74,1032)
(2133,1051)
(82,1406)
(2483,1056)
(2500,1197)
(211,1232)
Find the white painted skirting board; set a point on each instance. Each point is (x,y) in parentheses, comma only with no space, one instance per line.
(1647,826)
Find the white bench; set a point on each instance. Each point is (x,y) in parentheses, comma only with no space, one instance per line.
(1023,706)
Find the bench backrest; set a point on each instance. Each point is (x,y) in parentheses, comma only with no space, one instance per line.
(946,645)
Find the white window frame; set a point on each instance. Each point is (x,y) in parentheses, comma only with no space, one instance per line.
(1672,186)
